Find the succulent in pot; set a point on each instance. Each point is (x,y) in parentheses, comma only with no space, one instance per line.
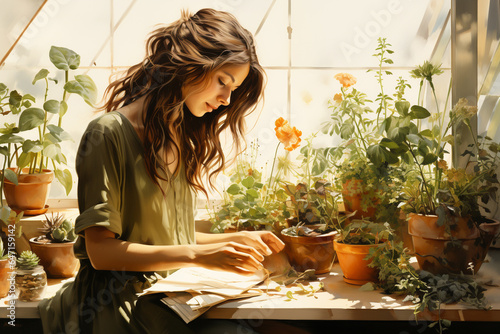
(55,247)
(30,279)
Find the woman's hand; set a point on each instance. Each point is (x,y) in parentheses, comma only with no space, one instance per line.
(265,242)
(229,256)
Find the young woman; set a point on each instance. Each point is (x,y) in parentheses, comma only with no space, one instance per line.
(138,167)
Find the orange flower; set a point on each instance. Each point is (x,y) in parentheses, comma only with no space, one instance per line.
(345,79)
(337,98)
(442,165)
(290,137)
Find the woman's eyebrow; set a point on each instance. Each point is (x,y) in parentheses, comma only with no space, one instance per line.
(229,75)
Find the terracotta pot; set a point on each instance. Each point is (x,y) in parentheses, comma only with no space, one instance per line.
(435,250)
(58,258)
(32,190)
(310,252)
(352,202)
(402,233)
(353,264)
(5,274)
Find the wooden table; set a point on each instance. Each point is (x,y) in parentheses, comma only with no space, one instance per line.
(340,301)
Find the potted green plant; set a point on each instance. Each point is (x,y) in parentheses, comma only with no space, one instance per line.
(354,243)
(31,279)
(446,204)
(55,247)
(309,241)
(369,190)
(39,160)
(251,203)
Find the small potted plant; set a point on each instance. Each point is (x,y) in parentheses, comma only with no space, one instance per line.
(26,186)
(30,279)
(55,247)
(354,243)
(309,242)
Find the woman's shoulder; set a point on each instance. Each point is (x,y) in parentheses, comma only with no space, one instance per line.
(108,121)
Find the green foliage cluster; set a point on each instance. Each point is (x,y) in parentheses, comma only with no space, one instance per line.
(37,154)
(248,202)
(423,289)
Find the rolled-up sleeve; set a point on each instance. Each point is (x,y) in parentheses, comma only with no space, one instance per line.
(100,179)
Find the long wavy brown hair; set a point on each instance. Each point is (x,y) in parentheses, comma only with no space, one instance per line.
(187,52)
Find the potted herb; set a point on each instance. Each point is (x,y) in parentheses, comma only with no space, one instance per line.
(30,279)
(445,204)
(369,190)
(353,244)
(250,202)
(39,160)
(309,242)
(55,247)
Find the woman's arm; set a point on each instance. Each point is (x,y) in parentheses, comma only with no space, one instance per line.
(108,253)
(264,242)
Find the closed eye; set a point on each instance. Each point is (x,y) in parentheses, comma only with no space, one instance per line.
(222,83)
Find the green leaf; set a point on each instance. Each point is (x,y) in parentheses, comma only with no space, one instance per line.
(42,74)
(426,133)
(253,193)
(429,158)
(415,139)
(4,151)
(63,58)
(11,138)
(25,159)
(379,154)
(367,287)
(58,133)
(84,86)
(51,106)
(346,130)
(33,146)
(31,118)
(11,176)
(63,108)
(233,189)
(389,143)
(64,177)
(53,151)
(15,99)
(248,182)
(418,112)
(402,107)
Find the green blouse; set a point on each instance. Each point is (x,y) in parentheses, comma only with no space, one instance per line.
(116,192)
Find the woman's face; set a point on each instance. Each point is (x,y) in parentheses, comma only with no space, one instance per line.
(221,84)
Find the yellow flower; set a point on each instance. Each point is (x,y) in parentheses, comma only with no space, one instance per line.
(346,79)
(288,136)
(337,98)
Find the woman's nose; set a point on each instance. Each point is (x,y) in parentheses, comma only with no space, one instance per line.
(225,98)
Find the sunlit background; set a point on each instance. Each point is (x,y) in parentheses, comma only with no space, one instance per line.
(302,44)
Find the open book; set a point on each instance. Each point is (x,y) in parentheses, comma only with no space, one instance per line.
(192,291)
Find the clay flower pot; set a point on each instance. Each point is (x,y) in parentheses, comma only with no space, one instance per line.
(58,258)
(353,264)
(31,192)
(440,251)
(5,274)
(310,252)
(352,202)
